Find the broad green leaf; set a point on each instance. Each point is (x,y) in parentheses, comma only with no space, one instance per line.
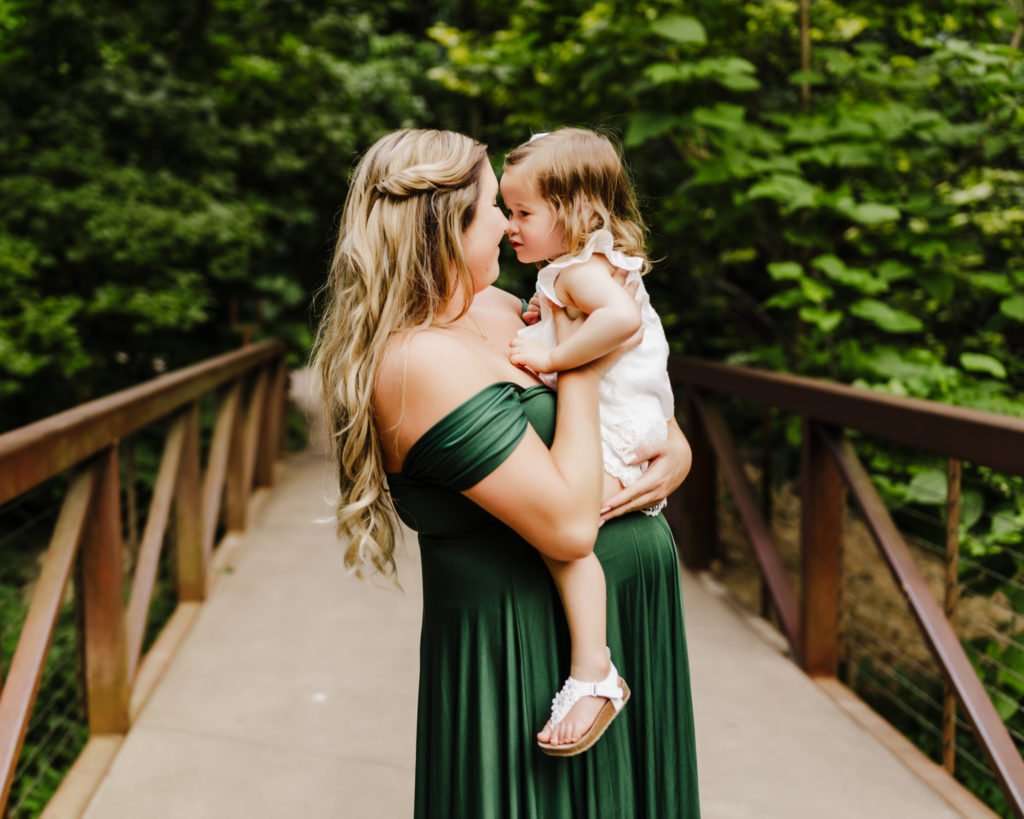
(975,193)
(660,73)
(825,320)
(872,213)
(1013,307)
(846,28)
(909,365)
(681,29)
(1004,521)
(739,82)
(811,131)
(786,299)
(724,115)
(885,317)
(992,282)
(791,192)
(645,125)
(785,270)
(1011,673)
(738,255)
(972,507)
(980,363)
(928,487)
(892,270)
(814,290)
(853,277)
(829,264)
(1005,705)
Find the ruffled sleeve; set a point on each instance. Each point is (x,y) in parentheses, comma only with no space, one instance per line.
(600,241)
(471,441)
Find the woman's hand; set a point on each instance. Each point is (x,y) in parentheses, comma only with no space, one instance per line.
(669,464)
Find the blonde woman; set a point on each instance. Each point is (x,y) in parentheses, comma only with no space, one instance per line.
(431,420)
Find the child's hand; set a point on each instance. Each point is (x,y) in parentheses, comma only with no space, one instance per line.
(530,354)
(532,314)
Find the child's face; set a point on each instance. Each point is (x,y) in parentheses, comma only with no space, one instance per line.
(533,230)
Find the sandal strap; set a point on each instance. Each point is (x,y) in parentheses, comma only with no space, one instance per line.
(574,690)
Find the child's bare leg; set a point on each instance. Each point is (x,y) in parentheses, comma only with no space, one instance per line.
(582,590)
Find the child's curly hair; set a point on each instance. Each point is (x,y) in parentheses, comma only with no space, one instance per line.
(582,175)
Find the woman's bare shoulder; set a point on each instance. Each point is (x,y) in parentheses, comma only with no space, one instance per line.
(423,375)
(496,297)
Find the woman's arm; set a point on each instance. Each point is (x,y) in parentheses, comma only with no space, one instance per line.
(669,465)
(551,497)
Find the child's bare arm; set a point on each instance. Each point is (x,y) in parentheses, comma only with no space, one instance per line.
(612,317)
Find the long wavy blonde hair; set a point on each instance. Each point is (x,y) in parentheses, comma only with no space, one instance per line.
(581,174)
(397,264)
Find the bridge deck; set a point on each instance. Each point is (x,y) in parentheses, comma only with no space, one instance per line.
(295,694)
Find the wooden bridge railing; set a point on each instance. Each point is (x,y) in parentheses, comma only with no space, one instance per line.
(247,439)
(829,469)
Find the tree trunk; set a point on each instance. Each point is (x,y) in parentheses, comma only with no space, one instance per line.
(805,52)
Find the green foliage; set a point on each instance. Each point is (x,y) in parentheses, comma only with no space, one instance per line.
(873,236)
(166,171)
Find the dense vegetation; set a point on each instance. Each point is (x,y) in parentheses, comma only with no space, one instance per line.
(173,172)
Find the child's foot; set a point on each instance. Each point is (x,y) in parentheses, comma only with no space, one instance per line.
(575,724)
(582,711)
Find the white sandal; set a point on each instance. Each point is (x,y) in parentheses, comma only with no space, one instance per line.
(612,687)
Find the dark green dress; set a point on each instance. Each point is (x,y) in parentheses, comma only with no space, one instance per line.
(494,646)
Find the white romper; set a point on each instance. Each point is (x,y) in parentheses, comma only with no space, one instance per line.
(635,395)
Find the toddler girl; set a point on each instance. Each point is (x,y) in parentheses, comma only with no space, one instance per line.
(572,206)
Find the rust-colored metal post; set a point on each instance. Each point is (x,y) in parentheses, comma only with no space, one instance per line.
(822,504)
(766,501)
(954,473)
(694,515)
(188,503)
(100,596)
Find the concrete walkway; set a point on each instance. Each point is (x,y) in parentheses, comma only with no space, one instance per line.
(294,694)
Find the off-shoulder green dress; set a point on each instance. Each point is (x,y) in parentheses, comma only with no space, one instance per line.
(494,646)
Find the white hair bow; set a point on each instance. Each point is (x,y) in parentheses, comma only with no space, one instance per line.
(538,136)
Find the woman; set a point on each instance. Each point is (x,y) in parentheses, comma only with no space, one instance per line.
(429,417)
